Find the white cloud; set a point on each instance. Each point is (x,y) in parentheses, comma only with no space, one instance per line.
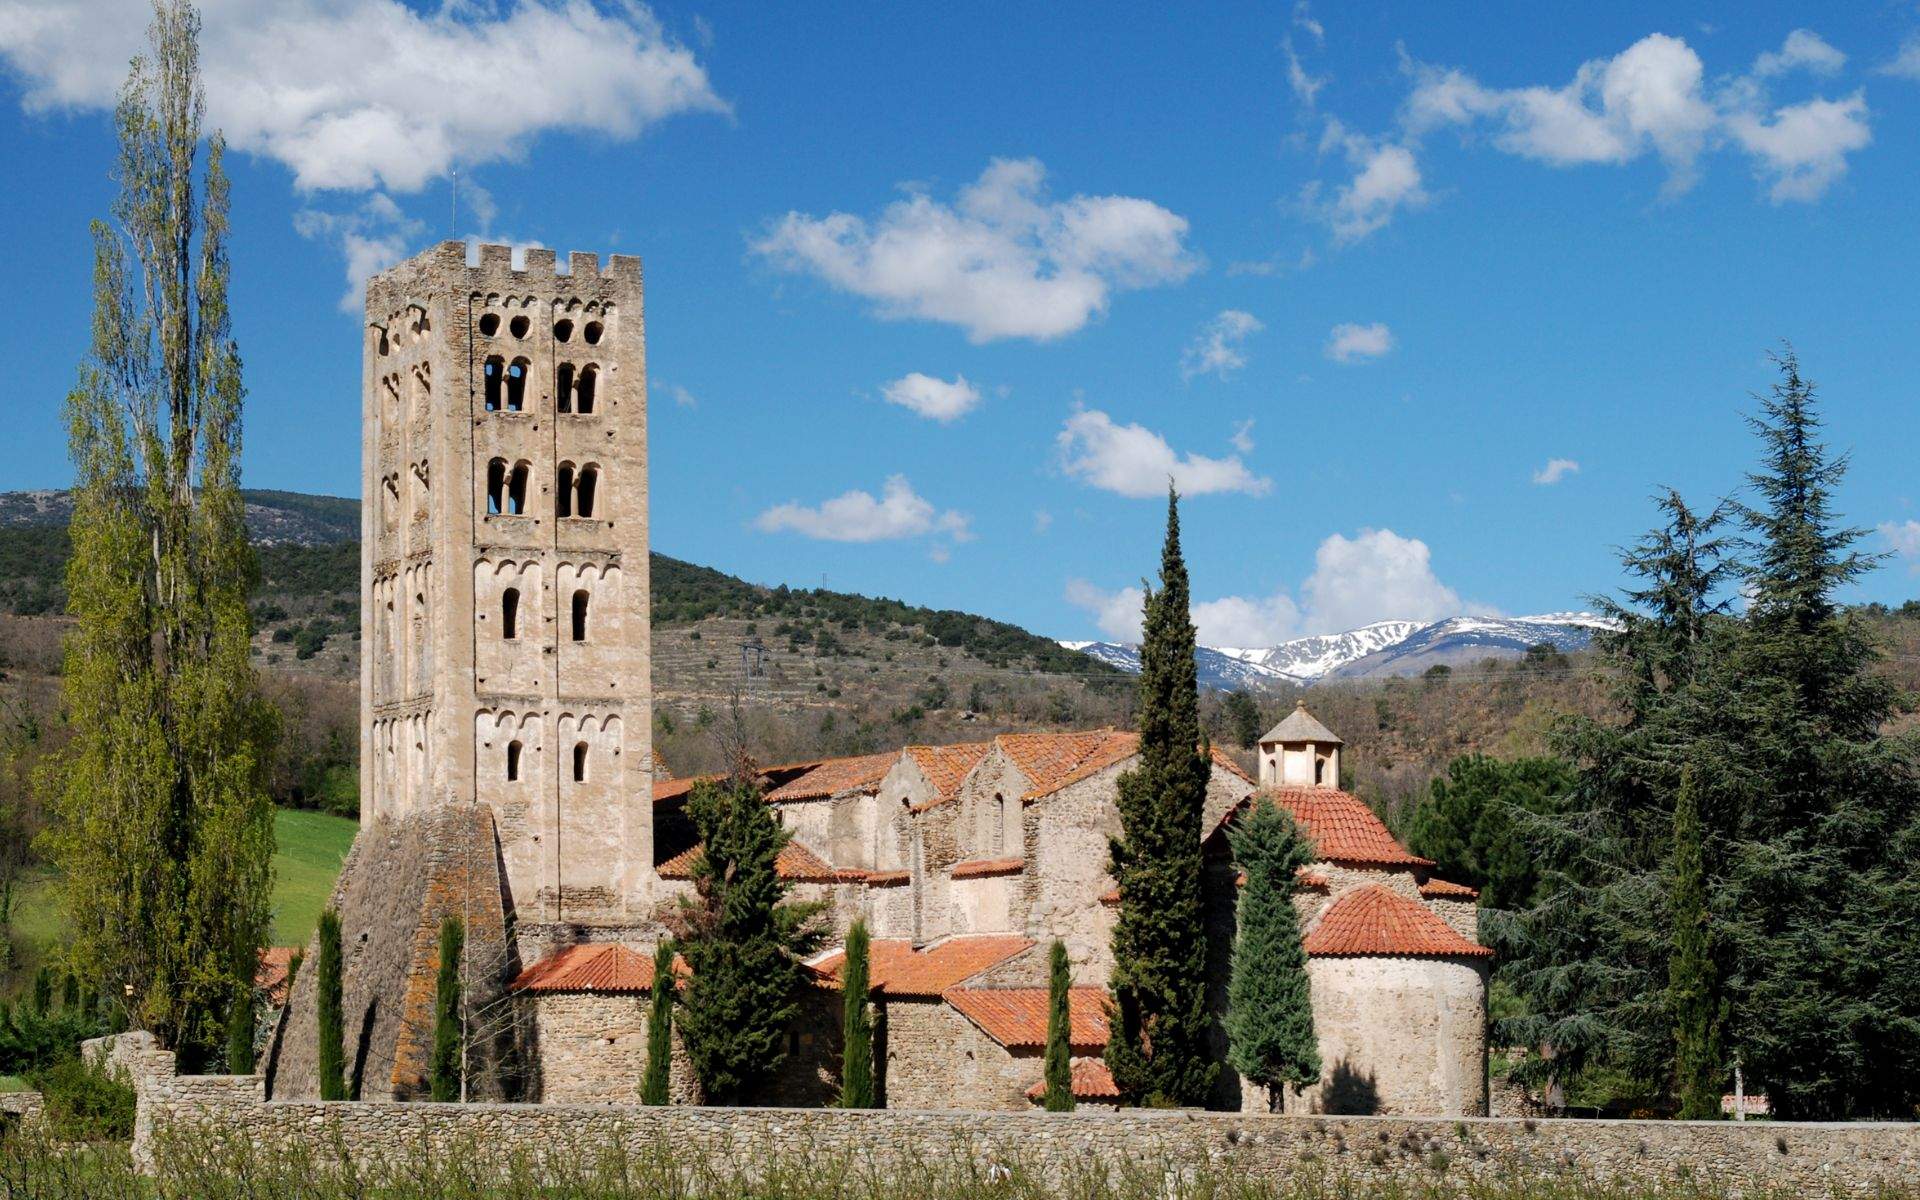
(1556,470)
(856,516)
(1242,438)
(1306,88)
(365,94)
(1002,261)
(1803,148)
(1216,349)
(1386,179)
(1907,62)
(1903,538)
(1356,343)
(1803,49)
(935,399)
(372,237)
(1042,521)
(1303,19)
(1115,614)
(1134,461)
(674,392)
(1247,621)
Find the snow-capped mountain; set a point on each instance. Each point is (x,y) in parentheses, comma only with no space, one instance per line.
(1381,649)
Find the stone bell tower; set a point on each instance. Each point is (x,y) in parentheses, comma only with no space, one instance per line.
(505,657)
(1300,752)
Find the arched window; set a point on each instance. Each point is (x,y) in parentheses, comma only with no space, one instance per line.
(1319,771)
(580,615)
(584,486)
(517,489)
(563,388)
(999,821)
(592,333)
(579,762)
(489,324)
(510,614)
(390,501)
(517,385)
(513,762)
(497,486)
(519,326)
(563,490)
(491,375)
(583,389)
(563,330)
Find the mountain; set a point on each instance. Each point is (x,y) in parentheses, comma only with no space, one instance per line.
(273,518)
(1382,649)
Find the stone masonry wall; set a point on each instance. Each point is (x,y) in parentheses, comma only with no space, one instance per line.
(1848,1159)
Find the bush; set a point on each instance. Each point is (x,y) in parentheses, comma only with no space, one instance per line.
(85,1101)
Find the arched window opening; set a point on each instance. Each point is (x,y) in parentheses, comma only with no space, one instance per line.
(519,326)
(580,615)
(497,487)
(1319,771)
(583,489)
(563,388)
(491,374)
(517,489)
(563,490)
(489,324)
(517,385)
(999,821)
(390,500)
(583,389)
(513,762)
(579,762)
(563,330)
(510,614)
(592,333)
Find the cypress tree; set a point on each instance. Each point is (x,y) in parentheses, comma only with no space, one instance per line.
(1692,983)
(333,1033)
(70,992)
(1059,1060)
(742,941)
(1270,1033)
(656,1083)
(448,1039)
(240,1025)
(162,825)
(42,991)
(856,1024)
(1158,1051)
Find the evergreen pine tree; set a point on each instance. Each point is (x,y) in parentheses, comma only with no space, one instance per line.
(333,1032)
(70,992)
(656,1083)
(162,826)
(242,1016)
(1693,986)
(1270,1034)
(742,941)
(448,1039)
(1243,719)
(43,991)
(1059,1060)
(1158,1050)
(856,1023)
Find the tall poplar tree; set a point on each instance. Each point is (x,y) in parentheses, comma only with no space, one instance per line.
(1158,1050)
(1270,1035)
(163,829)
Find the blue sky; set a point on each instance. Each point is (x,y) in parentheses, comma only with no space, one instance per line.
(937,296)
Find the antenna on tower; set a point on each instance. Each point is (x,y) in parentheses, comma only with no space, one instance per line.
(453,221)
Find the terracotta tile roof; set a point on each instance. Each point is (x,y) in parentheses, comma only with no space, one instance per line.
(271,975)
(1052,761)
(796,864)
(1374,920)
(980,868)
(1343,828)
(675,789)
(1444,890)
(1091,1081)
(1302,878)
(1017,1017)
(593,968)
(946,768)
(836,775)
(895,968)
(889,878)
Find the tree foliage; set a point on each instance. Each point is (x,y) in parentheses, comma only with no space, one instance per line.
(656,1083)
(1270,1034)
(1242,714)
(1058,1066)
(1469,823)
(163,831)
(856,1024)
(1158,1051)
(449,1041)
(1693,975)
(332,1051)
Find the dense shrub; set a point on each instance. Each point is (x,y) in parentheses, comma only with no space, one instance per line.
(85,1100)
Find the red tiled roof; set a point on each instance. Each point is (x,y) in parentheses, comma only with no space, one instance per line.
(1342,827)
(593,968)
(1374,920)
(1091,1081)
(889,878)
(895,968)
(795,864)
(946,768)
(1444,890)
(1017,1017)
(1052,761)
(272,975)
(1302,878)
(980,868)
(836,775)
(674,789)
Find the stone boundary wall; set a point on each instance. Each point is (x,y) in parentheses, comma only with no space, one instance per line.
(19,1109)
(1803,1158)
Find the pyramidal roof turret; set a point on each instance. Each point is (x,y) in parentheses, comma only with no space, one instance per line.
(1301,726)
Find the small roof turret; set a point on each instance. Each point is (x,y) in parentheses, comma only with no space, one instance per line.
(1301,726)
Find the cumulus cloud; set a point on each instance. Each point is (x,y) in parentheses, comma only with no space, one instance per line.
(372,237)
(1556,470)
(1002,261)
(1903,538)
(1803,50)
(371,94)
(1375,575)
(1803,148)
(856,516)
(1134,461)
(1349,343)
(1907,62)
(1215,350)
(1242,438)
(936,399)
(1386,179)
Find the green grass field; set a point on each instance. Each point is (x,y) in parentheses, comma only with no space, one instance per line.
(308,849)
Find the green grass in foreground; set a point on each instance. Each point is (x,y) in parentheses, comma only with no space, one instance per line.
(12,1083)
